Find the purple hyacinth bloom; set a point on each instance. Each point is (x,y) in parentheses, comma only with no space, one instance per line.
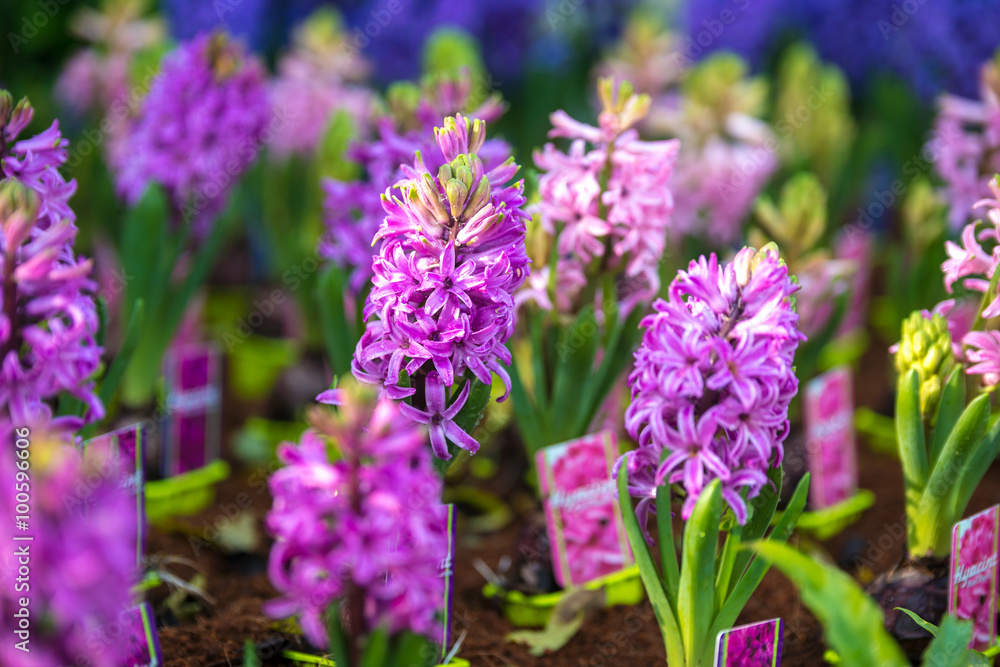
(200,127)
(353,210)
(712,381)
(367,522)
(82,555)
(451,256)
(48,318)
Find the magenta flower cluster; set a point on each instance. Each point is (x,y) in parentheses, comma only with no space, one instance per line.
(353,211)
(366,523)
(606,200)
(201,125)
(48,318)
(712,381)
(441,305)
(82,556)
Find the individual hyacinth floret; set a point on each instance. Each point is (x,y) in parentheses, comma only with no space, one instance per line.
(366,524)
(352,209)
(82,555)
(441,308)
(606,199)
(712,381)
(48,317)
(199,128)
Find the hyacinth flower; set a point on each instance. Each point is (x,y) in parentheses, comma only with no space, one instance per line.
(711,385)
(598,236)
(358,531)
(728,152)
(451,255)
(48,315)
(201,125)
(82,551)
(352,206)
(797,222)
(965,145)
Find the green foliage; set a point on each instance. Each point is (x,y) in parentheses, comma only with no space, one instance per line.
(711,588)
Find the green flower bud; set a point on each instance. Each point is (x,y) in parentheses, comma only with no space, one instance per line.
(926,348)
(6,105)
(923,215)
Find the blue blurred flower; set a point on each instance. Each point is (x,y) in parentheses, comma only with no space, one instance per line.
(931,45)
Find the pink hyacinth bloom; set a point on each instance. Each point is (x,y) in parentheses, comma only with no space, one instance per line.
(606,198)
(82,552)
(712,381)
(983,353)
(367,520)
(48,317)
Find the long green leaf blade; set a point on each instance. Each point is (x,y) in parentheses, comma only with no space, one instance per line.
(949,410)
(695,600)
(910,437)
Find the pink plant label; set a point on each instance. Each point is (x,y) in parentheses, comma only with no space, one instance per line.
(972,594)
(194,398)
(581,509)
(829,419)
(754,645)
(121,452)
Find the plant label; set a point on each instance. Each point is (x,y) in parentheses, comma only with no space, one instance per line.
(972,594)
(829,419)
(121,453)
(754,645)
(584,526)
(194,398)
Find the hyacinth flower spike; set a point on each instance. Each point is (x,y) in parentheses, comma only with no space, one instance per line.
(710,411)
(450,257)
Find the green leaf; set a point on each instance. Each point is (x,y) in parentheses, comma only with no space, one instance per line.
(339,336)
(949,648)
(973,471)
(250,657)
(726,565)
(934,519)
(569,614)
(695,600)
(413,650)
(142,247)
(665,614)
(926,625)
(912,447)
(949,410)
(376,648)
(761,512)
(852,622)
(668,551)
(574,368)
(527,417)
(758,567)
(338,638)
(109,383)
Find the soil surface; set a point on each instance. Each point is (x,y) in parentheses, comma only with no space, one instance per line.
(237,584)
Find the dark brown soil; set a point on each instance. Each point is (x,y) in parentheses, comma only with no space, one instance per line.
(617,636)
